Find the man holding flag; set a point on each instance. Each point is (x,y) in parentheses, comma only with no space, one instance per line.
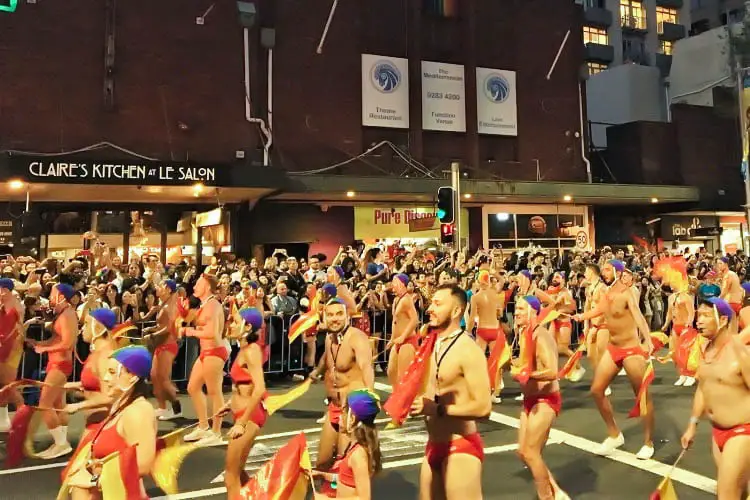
(536,370)
(724,395)
(597,335)
(457,394)
(348,364)
(625,350)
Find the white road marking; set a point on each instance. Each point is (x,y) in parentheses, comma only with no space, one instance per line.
(209,492)
(655,467)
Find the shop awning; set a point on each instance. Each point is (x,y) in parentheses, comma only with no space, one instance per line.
(75,179)
(331,188)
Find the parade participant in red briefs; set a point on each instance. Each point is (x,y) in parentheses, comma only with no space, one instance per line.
(597,335)
(457,395)
(681,313)
(348,366)
(59,367)
(536,370)
(208,369)
(560,299)
(625,350)
(165,336)
(404,338)
(11,347)
(731,290)
(486,309)
(130,427)
(246,404)
(724,396)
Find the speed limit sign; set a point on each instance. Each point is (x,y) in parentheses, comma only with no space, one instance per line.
(582,239)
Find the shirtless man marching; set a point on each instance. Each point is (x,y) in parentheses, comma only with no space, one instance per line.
(731,290)
(542,401)
(724,395)
(348,366)
(404,337)
(457,394)
(558,296)
(681,313)
(165,352)
(597,335)
(59,367)
(486,307)
(624,350)
(11,348)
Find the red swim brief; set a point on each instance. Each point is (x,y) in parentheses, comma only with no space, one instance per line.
(334,415)
(66,367)
(436,453)
(721,436)
(490,334)
(170,346)
(619,354)
(553,400)
(412,340)
(258,416)
(562,323)
(736,307)
(218,352)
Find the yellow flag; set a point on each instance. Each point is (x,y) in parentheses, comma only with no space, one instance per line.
(275,402)
(665,491)
(78,462)
(167,465)
(119,479)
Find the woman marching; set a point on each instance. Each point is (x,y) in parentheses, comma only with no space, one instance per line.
(352,473)
(246,403)
(130,425)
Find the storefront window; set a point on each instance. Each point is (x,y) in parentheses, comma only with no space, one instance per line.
(524,226)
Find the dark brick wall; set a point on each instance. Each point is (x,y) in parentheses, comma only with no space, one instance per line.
(644,153)
(168,70)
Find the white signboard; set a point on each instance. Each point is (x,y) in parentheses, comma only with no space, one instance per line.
(497,113)
(443,97)
(385,91)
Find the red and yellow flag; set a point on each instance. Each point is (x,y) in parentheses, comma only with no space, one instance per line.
(658,341)
(673,272)
(499,356)
(284,476)
(412,383)
(572,361)
(304,323)
(76,464)
(695,354)
(640,409)
(547,315)
(277,401)
(119,479)
(665,491)
(19,432)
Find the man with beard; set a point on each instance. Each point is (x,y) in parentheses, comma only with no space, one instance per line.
(165,340)
(624,321)
(457,394)
(59,367)
(724,395)
(681,313)
(404,338)
(731,290)
(11,347)
(560,299)
(597,335)
(348,366)
(487,306)
(536,371)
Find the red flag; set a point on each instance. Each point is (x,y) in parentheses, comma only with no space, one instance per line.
(640,409)
(303,324)
(399,403)
(499,355)
(120,479)
(640,242)
(684,344)
(281,478)
(19,429)
(673,272)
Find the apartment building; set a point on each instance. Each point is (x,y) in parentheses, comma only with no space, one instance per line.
(709,14)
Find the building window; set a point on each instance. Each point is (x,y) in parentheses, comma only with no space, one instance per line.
(665,47)
(698,27)
(632,14)
(595,35)
(664,15)
(595,68)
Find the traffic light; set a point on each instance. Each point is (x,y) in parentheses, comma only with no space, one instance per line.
(445,202)
(446,233)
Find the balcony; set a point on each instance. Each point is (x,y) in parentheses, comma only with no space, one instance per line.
(636,57)
(664,63)
(600,53)
(671,32)
(634,23)
(671,4)
(598,16)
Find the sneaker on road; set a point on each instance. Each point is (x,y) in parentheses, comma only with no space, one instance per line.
(55,451)
(621,372)
(211,438)
(561,495)
(680,381)
(298,378)
(689,382)
(645,452)
(160,412)
(519,397)
(497,400)
(610,444)
(577,374)
(197,434)
(321,420)
(608,391)
(169,415)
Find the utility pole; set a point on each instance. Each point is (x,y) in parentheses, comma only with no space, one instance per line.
(456,185)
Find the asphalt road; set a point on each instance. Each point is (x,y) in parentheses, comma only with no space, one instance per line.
(569,454)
